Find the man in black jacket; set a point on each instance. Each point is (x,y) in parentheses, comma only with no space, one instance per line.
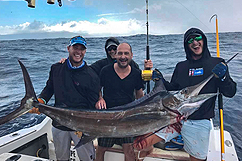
(74,85)
(198,66)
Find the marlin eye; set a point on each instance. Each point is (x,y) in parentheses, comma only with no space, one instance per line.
(184,91)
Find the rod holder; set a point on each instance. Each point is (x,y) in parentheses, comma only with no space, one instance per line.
(51,1)
(31,3)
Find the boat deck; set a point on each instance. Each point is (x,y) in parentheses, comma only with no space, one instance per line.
(157,153)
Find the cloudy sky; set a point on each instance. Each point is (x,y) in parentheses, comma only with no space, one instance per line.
(95,18)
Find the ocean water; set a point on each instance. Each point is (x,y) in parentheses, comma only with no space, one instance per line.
(165,51)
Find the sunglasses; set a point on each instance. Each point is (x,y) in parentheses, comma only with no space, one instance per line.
(110,48)
(197,38)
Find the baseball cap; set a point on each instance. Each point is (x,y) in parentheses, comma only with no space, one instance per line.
(78,40)
(193,34)
(110,43)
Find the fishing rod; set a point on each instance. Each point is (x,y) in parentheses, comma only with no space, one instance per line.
(231,58)
(220,97)
(147,44)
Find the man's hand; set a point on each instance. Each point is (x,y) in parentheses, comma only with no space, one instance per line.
(156,75)
(148,64)
(101,104)
(145,141)
(62,61)
(219,70)
(36,110)
(78,134)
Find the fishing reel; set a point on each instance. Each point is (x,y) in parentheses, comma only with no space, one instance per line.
(154,75)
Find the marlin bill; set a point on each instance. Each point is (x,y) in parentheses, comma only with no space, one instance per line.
(155,110)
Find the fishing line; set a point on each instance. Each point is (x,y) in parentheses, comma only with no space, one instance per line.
(226,101)
(193,14)
(213,34)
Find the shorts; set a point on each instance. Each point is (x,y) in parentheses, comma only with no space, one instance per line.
(109,142)
(195,134)
(62,143)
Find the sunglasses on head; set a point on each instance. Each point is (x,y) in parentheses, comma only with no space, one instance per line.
(197,38)
(110,48)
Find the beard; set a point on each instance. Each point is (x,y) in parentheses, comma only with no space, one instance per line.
(120,63)
(122,66)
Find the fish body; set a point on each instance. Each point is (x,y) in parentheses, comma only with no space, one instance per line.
(155,110)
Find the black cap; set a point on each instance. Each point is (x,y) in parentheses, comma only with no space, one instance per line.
(110,43)
(192,34)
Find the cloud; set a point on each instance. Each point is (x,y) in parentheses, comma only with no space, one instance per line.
(114,14)
(36,25)
(103,21)
(103,27)
(135,10)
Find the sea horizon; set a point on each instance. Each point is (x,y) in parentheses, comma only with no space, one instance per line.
(63,35)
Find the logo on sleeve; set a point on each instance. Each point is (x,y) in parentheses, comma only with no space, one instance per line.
(195,72)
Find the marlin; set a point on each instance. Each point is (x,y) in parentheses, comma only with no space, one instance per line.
(155,110)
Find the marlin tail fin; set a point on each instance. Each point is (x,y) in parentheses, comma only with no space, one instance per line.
(26,102)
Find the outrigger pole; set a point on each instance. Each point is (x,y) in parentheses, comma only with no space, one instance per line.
(147,44)
(220,100)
